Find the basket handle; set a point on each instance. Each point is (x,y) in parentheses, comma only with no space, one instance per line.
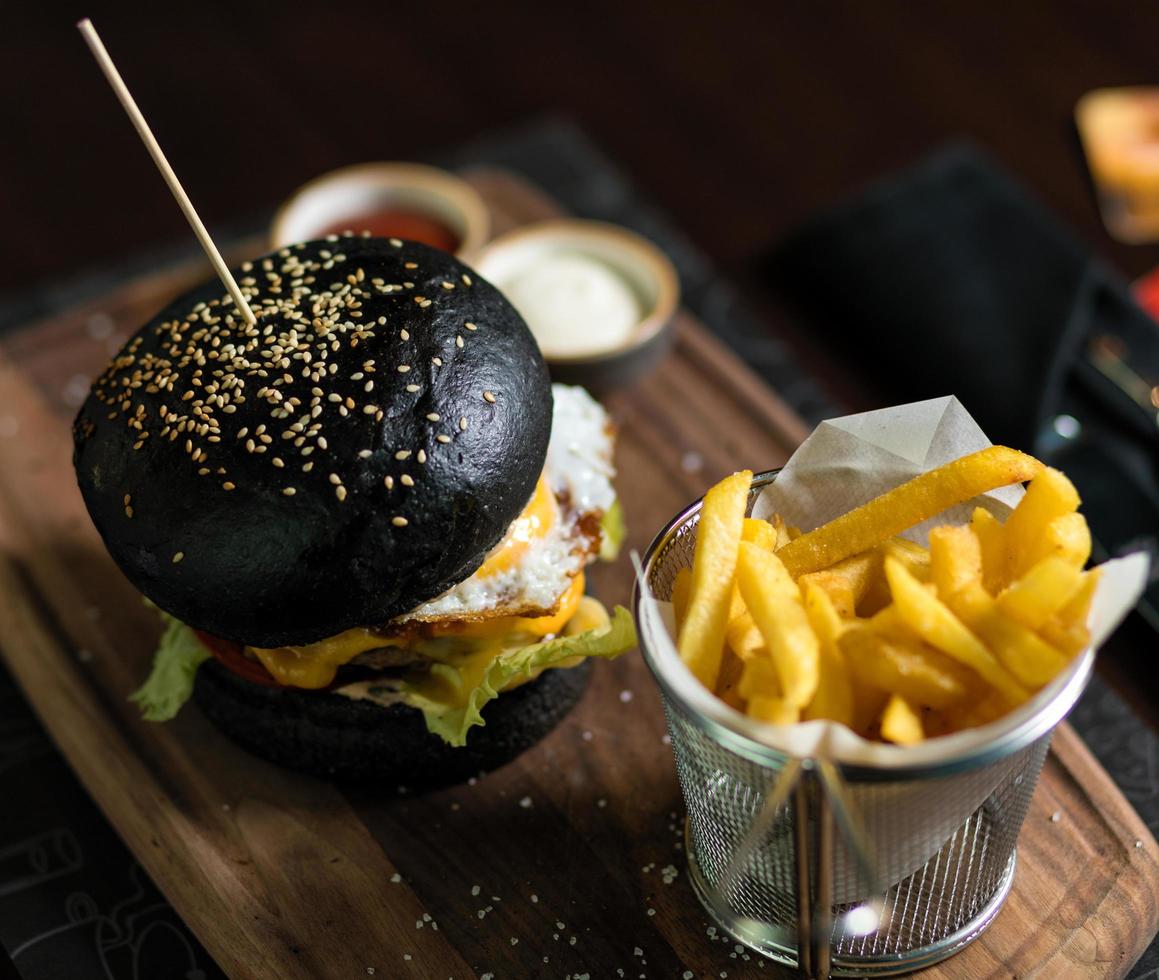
(820,798)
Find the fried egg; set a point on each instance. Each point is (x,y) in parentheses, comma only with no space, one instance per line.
(555,536)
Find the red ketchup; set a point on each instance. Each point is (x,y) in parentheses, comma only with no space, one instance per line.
(390,222)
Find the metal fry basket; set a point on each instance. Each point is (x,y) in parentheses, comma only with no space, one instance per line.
(841,870)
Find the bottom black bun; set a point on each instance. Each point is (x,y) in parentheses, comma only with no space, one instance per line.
(337,738)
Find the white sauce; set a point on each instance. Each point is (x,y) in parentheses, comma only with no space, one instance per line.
(574,304)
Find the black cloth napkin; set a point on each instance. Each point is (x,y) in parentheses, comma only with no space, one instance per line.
(950,278)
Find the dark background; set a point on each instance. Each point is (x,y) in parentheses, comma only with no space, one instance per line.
(739,119)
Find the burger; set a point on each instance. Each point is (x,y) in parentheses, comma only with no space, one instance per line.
(365,518)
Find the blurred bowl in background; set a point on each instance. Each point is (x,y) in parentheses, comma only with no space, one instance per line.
(390,200)
(600,299)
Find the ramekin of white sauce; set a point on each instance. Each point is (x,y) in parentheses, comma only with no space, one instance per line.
(598,298)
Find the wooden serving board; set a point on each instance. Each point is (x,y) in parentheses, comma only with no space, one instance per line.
(553,865)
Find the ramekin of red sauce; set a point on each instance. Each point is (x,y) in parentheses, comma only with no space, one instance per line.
(389,200)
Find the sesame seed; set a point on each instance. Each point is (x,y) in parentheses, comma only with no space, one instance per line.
(178,556)
(458,340)
(277,461)
(437,361)
(389,482)
(399,521)
(128,512)
(364,454)
(396,243)
(369,409)
(420,300)
(227,485)
(413,388)
(403,368)
(309,466)
(410,265)
(463,424)
(431,417)
(289,492)
(422,456)
(425,303)
(466,279)
(443,438)
(447,285)
(470,326)
(402,454)
(335,479)
(407,480)
(488,397)
(340,492)
(404,335)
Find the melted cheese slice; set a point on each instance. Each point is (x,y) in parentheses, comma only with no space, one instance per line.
(315,665)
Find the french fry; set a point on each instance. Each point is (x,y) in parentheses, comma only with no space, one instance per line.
(744,639)
(1067,629)
(900,723)
(955,559)
(834,696)
(701,641)
(1030,659)
(776,711)
(911,503)
(681,586)
(728,683)
(782,532)
(921,676)
(1066,537)
(846,582)
(972,712)
(836,587)
(759,677)
(774,601)
(991,535)
(1050,496)
(936,623)
(1041,592)
(761,532)
(912,555)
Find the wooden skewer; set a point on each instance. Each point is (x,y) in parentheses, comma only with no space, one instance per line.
(98,49)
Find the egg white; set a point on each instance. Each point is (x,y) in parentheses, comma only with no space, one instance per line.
(579,471)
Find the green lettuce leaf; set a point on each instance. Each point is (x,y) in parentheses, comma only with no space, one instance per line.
(612,532)
(170,681)
(451,715)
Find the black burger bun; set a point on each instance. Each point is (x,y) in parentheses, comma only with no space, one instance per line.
(337,738)
(354,454)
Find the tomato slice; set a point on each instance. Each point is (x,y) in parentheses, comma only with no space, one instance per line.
(232,656)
